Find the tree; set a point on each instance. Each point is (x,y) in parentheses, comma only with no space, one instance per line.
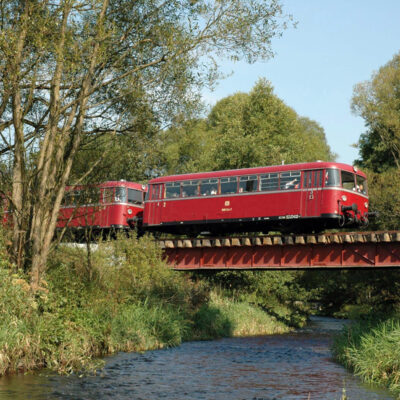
(244,130)
(69,68)
(383,194)
(378,102)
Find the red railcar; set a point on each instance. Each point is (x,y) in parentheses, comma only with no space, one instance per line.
(107,207)
(297,197)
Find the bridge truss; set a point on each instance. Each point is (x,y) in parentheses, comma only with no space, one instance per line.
(328,250)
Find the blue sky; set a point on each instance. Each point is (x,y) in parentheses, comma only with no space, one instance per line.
(336,44)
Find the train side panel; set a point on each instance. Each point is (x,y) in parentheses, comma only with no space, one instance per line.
(309,196)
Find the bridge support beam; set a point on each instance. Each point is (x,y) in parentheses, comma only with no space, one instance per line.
(286,256)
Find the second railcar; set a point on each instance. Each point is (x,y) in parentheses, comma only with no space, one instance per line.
(297,197)
(108,207)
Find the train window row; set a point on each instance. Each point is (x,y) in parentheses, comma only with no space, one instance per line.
(289,180)
(106,195)
(230,185)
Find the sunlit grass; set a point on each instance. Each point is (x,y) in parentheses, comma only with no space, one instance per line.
(125,299)
(372,350)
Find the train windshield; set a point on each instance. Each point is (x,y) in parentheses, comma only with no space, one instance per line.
(348,180)
(120,195)
(135,196)
(361,186)
(332,177)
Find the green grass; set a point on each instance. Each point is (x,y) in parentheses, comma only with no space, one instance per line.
(225,316)
(125,299)
(372,350)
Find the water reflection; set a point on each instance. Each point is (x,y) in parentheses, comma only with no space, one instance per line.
(293,366)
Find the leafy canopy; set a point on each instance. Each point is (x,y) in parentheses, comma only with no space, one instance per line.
(377,101)
(244,130)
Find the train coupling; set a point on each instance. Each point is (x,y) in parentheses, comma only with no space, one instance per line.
(353,207)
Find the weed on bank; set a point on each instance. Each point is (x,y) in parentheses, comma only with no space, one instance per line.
(121,297)
(372,350)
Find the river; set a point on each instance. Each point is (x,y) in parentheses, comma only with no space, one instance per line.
(290,366)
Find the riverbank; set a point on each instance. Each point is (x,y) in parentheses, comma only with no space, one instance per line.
(297,365)
(120,298)
(371,348)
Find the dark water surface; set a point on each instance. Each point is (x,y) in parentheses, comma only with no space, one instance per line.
(290,366)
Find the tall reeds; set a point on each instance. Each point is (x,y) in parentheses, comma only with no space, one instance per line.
(372,350)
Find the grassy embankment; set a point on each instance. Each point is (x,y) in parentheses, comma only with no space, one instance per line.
(125,299)
(372,350)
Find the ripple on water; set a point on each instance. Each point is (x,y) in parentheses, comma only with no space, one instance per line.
(290,366)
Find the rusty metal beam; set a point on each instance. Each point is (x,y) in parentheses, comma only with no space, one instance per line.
(350,253)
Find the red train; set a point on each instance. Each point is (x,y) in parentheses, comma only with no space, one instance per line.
(298,197)
(107,207)
(295,198)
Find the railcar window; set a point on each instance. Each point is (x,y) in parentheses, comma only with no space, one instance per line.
(248,183)
(229,185)
(209,187)
(361,184)
(290,180)
(68,198)
(190,188)
(152,193)
(308,179)
(317,178)
(135,196)
(269,182)
(120,195)
(156,193)
(108,194)
(348,180)
(332,177)
(172,190)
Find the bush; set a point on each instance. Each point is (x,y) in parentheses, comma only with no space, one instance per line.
(126,299)
(122,297)
(372,350)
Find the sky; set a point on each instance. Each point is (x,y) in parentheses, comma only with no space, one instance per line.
(336,44)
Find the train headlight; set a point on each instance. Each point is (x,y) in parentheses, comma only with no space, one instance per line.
(366,205)
(129,211)
(344,198)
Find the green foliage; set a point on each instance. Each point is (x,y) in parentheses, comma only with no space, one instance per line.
(142,327)
(226,316)
(278,293)
(372,350)
(244,130)
(126,299)
(378,102)
(384,189)
(341,292)
(84,80)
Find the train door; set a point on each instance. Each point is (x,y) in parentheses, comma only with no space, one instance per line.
(311,194)
(156,205)
(107,199)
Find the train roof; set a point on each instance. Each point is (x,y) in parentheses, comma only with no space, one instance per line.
(258,170)
(121,183)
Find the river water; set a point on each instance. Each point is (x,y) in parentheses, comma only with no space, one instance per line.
(290,366)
